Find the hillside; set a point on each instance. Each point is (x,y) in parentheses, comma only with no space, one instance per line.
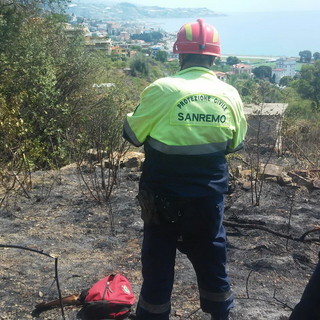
(127,11)
(268,272)
(59,100)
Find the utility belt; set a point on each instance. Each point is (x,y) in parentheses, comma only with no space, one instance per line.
(159,209)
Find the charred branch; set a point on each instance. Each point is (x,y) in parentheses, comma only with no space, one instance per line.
(55,268)
(251,226)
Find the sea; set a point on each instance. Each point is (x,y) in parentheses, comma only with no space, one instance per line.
(273,34)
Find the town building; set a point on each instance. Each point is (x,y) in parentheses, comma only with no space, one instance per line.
(124,36)
(284,67)
(119,51)
(240,68)
(221,75)
(102,44)
(73,30)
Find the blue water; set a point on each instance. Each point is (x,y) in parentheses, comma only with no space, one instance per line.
(266,34)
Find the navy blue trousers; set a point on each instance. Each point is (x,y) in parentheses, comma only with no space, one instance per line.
(309,306)
(204,242)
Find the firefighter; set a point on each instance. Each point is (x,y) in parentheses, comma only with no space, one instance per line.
(187,123)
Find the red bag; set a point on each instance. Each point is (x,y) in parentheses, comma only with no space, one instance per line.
(109,298)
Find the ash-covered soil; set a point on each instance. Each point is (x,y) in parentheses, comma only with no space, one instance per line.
(268,272)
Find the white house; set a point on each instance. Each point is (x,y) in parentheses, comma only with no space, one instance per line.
(284,67)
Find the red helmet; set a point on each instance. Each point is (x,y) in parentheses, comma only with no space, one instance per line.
(198,38)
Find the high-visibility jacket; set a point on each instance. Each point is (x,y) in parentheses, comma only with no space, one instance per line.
(188,123)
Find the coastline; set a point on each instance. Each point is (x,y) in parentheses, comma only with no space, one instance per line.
(270,34)
(262,57)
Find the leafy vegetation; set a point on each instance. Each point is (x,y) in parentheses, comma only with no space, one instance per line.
(161,56)
(308,85)
(58,100)
(232,60)
(305,56)
(154,36)
(50,110)
(285,81)
(262,72)
(140,65)
(31,115)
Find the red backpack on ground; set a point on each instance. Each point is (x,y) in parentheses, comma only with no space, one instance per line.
(109,298)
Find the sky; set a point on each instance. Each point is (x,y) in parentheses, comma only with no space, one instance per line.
(222,6)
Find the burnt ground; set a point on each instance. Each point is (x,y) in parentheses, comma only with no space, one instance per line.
(268,273)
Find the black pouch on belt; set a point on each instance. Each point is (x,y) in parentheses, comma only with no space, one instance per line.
(157,209)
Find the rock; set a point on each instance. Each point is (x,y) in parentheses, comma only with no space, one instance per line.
(271,170)
(133,160)
(284,179)
(178,313)
(301,181)
(316,183)
(133,163)
(247,185)
(94,155)
(238,171)
(245,173)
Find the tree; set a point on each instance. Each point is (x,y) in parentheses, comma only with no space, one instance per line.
(46,82)
(308,86)
(136,48)
(162,56)
(262,72)
(217,61)
(247,88)
(154,36)
(285,81)
(305,56)
(232,60)
(27,87)
(316,56)
(140,65)
(101,131)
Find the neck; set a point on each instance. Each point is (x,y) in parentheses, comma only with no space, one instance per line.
(189,61)
(189,65)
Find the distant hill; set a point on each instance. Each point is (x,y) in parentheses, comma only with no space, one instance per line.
(129,11)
